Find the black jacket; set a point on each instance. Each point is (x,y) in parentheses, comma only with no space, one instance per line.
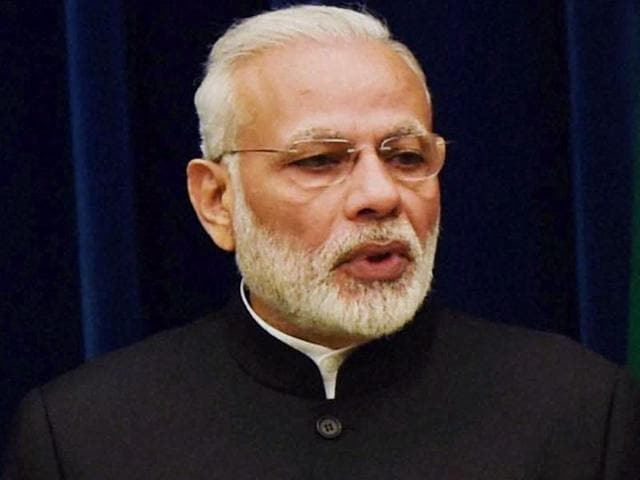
(447,398)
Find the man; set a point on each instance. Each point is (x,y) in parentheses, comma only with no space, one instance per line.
(320,171)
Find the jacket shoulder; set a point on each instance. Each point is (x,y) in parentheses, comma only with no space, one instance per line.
(552,364)
(160,366)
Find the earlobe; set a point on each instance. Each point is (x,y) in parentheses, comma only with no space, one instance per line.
(212,200)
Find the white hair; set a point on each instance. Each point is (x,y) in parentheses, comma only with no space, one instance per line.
(215,98)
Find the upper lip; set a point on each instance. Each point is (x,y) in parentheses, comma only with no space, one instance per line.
(372,249)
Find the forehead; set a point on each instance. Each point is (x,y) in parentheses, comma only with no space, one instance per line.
(347,86)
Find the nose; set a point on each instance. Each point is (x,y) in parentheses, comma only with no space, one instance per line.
(372,191)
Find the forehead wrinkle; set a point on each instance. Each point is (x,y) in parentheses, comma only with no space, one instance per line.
(261,92)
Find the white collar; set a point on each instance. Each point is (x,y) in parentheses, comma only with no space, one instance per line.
(328,360)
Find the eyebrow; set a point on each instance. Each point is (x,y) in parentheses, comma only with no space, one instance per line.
(411,127)
(314,133)
(407,128)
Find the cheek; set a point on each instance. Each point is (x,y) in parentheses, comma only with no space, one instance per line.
(423,210)
(302,216)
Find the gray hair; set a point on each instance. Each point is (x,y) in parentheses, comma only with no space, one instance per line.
(215,98)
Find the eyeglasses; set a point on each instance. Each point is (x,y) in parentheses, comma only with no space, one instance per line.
(318,163)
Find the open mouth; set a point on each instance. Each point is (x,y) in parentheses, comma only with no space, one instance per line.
(373,261)
(379,258)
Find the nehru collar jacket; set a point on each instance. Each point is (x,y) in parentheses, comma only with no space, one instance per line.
(448,397)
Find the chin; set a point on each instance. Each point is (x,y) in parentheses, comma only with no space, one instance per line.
(353,308)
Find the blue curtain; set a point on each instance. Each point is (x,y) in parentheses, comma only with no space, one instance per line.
(100,245)
(604,65)
(103,168)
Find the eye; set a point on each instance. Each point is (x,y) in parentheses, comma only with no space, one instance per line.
(323,161)
(406,159)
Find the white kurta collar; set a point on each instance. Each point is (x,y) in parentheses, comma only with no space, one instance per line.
(327,360)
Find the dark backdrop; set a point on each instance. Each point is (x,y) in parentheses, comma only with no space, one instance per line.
(100,247)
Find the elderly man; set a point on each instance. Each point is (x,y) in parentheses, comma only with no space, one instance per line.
(320,172)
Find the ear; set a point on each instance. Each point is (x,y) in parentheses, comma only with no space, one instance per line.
(212,199)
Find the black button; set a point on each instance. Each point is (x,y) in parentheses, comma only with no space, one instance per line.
(328,427)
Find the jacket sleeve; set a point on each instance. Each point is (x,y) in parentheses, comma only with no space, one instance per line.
(31,451)
(622,455)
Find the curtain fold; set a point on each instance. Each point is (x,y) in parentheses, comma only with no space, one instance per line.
(103,175)
(603,69)
(634,284)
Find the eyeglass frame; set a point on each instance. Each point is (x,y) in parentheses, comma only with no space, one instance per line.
(438,139)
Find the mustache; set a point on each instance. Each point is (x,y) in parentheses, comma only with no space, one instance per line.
(338,248)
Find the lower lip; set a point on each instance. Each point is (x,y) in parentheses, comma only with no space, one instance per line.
(388,269)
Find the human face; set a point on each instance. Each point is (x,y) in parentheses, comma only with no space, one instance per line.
(361,91)
(300,285)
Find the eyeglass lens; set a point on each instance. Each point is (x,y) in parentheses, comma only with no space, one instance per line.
(321,163)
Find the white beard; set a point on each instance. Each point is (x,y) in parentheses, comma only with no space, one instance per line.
(300,284)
